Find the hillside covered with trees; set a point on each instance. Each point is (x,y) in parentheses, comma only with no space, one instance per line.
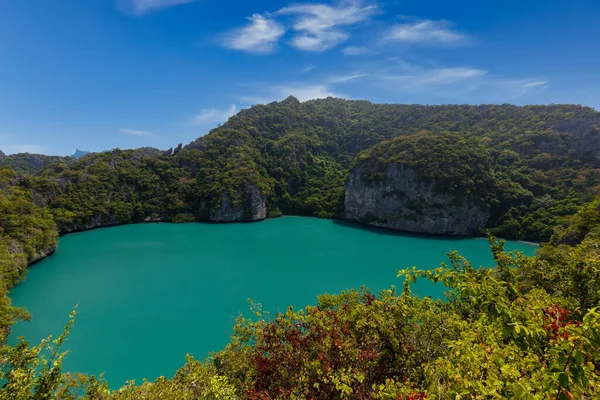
(294,158)
(527,168)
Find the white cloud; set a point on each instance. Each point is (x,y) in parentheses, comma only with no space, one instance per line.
(318,24)
(307,69)
(458,83)
(134,132)
(355,51)
(260,36)
(309,92)
(212,115)
(301,92)
(140,7)
(319,42)
(436,76)
(346,78)
(426,31)
(528,84)
(514,88)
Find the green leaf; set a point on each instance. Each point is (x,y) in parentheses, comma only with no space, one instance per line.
(563,380)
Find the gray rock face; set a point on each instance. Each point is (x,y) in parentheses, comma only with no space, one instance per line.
(404,202)
(2,155)
(40,255)
(96,221)
(253,208)
(582,133)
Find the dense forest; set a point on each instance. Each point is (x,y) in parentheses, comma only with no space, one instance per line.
(294,158)
(525,329)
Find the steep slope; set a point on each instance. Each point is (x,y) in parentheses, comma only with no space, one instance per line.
(426,183)
(544,158)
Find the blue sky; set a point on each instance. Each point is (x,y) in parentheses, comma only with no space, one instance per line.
(100,74)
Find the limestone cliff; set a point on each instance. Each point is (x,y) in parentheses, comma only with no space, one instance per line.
(251,208)
(95,221)
(405,201)
(42,253)
(399,186)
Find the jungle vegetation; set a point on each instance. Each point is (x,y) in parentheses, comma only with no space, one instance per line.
(528,328)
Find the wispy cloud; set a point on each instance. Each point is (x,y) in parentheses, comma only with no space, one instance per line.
(436,76)
(260,36)
(213,115)
(302,92)
(318,25)
(346,78)
(307,69)
(426,32)
(134,132)
(141,7)
(308,92)
(355,50)
(457,82)
(515,88)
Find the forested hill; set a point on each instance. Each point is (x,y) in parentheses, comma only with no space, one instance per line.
(534,165)
(544,158)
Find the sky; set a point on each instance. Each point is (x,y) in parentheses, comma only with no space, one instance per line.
(102,74)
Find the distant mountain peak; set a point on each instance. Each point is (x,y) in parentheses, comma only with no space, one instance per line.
(2,155)
(291,100)
(79,153)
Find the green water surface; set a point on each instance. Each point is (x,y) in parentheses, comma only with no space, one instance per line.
(148,294)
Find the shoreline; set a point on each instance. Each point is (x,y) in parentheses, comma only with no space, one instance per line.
(341,221)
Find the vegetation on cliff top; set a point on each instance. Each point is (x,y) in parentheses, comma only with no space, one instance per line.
(459,162)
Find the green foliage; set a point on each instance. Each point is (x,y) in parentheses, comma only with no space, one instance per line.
(522,162)
(460,162)
(116,187)
(33,372)
(27,233)
(300,155)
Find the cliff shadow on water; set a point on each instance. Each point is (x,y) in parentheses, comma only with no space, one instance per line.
(393,232)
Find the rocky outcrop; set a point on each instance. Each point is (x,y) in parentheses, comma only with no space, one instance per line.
(41,254)
(96,221)
(251,208)
(403,200)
